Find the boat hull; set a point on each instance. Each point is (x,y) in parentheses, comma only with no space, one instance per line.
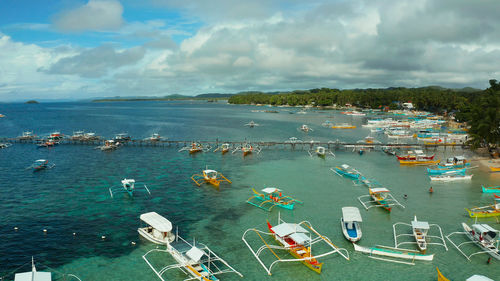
(445,171)
(495,189)
(494,169)
(415,162)
(450,178)
(483,214)
(143,232)
(393,253)
(353,235)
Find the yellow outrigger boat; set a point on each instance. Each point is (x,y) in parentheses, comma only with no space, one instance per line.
(211,177)
(486,211)
(419,161)
(494,169)
(343,126)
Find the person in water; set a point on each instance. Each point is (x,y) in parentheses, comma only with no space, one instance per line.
(405,196)
(431,190)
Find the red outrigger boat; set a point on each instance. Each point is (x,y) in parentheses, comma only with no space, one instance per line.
(413,156)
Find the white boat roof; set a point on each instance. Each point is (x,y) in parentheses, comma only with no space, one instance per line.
(419,152)
(270,189)
(209,171)
(420,224)
(484,228)
(195,254)
(157,222)
(476,277)
(460,157)
(41,160)
(33,276)
(300,238)
(128,181)
(351,214)
(345,166)
(379,189)
(285,229)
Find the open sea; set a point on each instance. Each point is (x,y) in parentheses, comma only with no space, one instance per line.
(72,202)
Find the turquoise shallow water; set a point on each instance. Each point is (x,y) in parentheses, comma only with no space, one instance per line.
(73,196)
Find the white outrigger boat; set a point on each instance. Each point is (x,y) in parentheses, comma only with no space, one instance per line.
(195,260)
(223,148)
(35,275)
(420,232)
(351,223)
(381,197)
(247,148)
(128,186)
(154,137)
(5,145)
(452,176)
(483,235)
(251,124)
(109,145)
(28,135)
(397,253)
(320,151)
(305,128)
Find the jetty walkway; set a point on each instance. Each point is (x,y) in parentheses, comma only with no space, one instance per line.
(332,144)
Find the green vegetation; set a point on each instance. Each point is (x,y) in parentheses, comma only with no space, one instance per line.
(211,97)
(31,101)
(480,109)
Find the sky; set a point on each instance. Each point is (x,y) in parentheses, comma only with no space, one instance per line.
(72,49)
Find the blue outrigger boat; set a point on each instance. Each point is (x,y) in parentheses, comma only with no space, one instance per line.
(491,189)
(348,172)
(271,197)
(446,171)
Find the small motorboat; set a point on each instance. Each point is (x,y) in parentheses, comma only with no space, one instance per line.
(35,275)
(158,229)
(321,152)
(347,171)
(251,124)
(5,145)
(306,129)
(351,223)
(420,229)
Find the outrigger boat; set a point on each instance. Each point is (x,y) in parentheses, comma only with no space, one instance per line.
(343,126)
(5,145)
(35,275)
(446,171)
(450,177)
(154,137)
(194,259)
(194,148)
(486,211)
(483,235)
(455,162)
(320,152)
(419,161)
(271,197)
(41,164)
(296,240)
(381,197)
(305,128)
(224,148)
(347,171)
(78,135)
(474,277)
(351,223)
(420,232)
(122,137)
(247,149)
(491,189)
(109,145)
(494,169)
(128,186)
(418,154)
(209,176)
(252,124)
(56,136)
(394,253)
(28,135)
(45,143)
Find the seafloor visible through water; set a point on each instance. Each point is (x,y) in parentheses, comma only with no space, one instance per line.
(72,202)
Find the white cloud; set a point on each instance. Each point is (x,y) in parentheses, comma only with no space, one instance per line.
(96,15)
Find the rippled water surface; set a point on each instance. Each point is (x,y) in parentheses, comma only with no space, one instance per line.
(72,202)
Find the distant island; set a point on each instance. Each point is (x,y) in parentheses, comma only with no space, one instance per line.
(32,101)
(209,97)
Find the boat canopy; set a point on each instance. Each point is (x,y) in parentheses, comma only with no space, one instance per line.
(379,189)
(345,166)
(419,152)
(300,238)
(484,228)
(128,181)
(195,254)
(420,224)
(478,278)
(270,190)
(209,171)
(41,160)
(33,276)
(157,222)
(460,158)
(351,214)
(285,229)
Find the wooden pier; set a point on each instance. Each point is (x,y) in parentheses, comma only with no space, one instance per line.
(263,144)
